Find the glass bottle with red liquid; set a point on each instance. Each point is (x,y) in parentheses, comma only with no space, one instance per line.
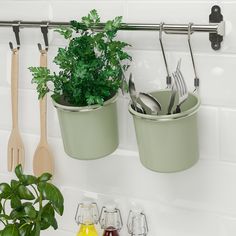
(111,221)
(86,217)
(137,223)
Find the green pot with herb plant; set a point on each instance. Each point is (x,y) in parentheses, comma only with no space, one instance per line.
(86,87)
(29,204)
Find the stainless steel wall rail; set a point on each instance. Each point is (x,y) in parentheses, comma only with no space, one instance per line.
(218,28)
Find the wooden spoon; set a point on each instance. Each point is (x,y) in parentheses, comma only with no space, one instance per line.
(43,158)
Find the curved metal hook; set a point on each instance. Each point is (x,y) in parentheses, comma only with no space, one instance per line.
(190,30)
(168,78)
(196,79)
(44,30)
(16,30)
(161,30)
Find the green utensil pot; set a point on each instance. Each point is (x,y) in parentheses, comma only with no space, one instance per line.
(168,143)
(89,132)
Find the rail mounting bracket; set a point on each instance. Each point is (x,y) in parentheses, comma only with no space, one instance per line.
(215,17)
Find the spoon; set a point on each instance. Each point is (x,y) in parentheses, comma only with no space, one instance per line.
(43,160)
(133,95)
(123,79)
(149,103)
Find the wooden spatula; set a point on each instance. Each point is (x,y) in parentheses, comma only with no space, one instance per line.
(15,145)
(43,159)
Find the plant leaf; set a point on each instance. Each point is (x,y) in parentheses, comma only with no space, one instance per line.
(25,193)
(4,217)
(17,214)
(10,230)
(14,184)
(30,211)
(19,172)
(5,190)
(65,31)
(15,201)
(29,180)
(37,229)
(25,230)
(53,194)
(33,231)
(47,217)
(54,224)
(45,177)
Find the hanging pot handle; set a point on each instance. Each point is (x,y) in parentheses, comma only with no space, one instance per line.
(168,77)
(196,79)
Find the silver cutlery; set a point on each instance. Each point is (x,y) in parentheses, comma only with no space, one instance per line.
(149,103)
(123,80)
(181,87)
(133,95)
(172,99)
(173,89)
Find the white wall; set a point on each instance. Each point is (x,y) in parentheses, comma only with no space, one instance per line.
(200,201)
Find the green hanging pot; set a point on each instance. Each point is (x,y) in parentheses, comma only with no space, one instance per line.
(168,143)
(89,132)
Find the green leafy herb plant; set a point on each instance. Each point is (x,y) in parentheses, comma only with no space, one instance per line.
(90,69)
(28,205)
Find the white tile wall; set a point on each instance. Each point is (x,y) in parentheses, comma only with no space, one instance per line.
(200,201)
(227,137)
(209,132)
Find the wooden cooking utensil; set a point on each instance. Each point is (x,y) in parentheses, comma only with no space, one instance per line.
(43,158)
(15,144)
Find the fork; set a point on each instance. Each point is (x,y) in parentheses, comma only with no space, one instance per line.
(15,144)
(181,87)
(173,91)
(172,99)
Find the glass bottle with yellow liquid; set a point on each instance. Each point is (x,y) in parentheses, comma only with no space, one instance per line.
(86,217)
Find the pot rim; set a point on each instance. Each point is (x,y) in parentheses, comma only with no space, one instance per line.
(84,108)
(163,118)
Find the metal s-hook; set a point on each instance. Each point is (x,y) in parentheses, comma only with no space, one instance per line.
(196,79)
(44,30)
(16,30)
(168,77)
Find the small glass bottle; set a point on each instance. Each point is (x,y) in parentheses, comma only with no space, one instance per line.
(87,216)
(137,223)
(110,220)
